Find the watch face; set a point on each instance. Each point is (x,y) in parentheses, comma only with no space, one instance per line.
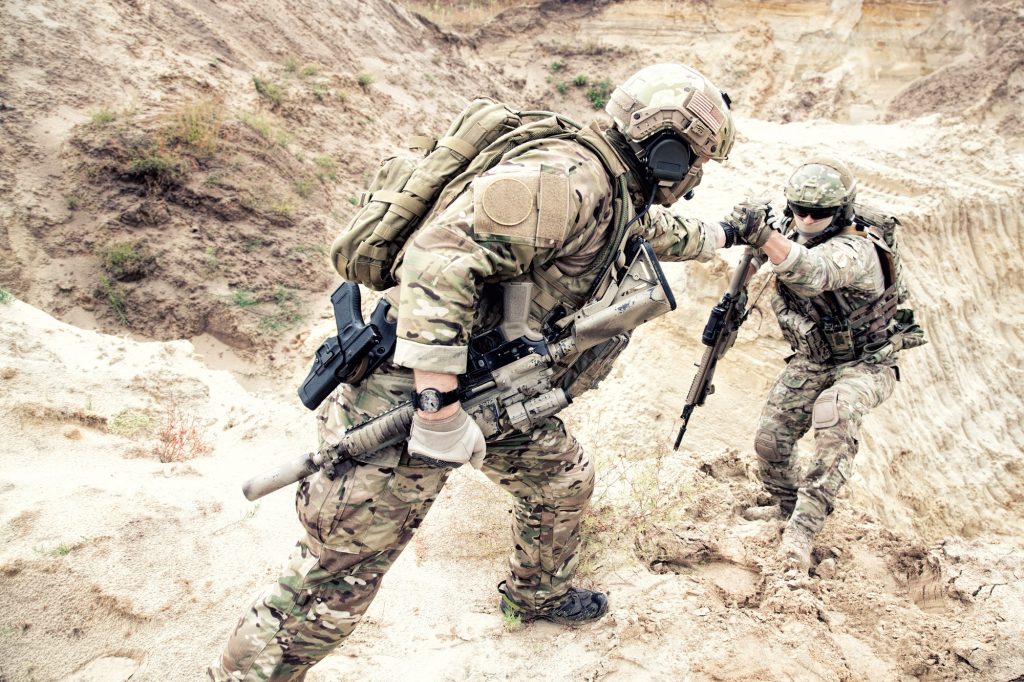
(430,400)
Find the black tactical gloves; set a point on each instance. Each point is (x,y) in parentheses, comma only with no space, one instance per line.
(750,219)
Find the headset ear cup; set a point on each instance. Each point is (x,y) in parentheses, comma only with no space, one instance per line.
(669,158)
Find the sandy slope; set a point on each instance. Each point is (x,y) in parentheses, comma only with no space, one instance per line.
(115,565)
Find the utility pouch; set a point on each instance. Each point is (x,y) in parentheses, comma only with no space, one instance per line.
(353,354)
(804,336)
(839,338)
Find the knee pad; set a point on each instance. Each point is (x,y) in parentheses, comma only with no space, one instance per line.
(826,409)
(766,445)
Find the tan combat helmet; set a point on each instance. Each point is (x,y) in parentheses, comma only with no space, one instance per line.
(820,186)
(664,103)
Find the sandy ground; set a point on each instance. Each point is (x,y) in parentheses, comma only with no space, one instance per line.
(115,565)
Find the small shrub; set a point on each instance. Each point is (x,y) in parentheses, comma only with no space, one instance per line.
(116,298)
(154,166)
(71,201)
(126,261)
(291,65)
(303,188)
(102,117)
(282,207)
(326,168)
(320,92)
(561,87)
(556,66)
(264,128)
(5,296)
(181,437)
(129,423)
(197,125)
(579,81)
(511,621)
(211,261)
(599,92)
(364,80)
(268,90)
(309,70)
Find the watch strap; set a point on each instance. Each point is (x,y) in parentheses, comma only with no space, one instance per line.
(446,397)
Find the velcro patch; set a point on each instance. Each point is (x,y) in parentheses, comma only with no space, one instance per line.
(522,208)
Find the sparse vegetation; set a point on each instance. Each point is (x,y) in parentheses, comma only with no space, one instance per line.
(71,201)
(291,65)
(117,299)
(599,92)
(102,117)
(303,188)
(309,70)
(210,260)
(181,436)
(326,168)
(265,128)
(155,166)
(561,87)
(579,81)
(268,90)
(556,66)
(244,299)
(63,549)
(129,423)
(364,80)
(197,125)
(126,261)
(5,296)
(511,621)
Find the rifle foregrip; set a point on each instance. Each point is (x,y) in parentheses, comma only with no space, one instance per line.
(284,475)
(391,427)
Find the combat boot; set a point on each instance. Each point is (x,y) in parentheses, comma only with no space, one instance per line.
(769,508)
(577,607)
(795,548)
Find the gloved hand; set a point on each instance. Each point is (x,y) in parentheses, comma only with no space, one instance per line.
(751,220)
(453,440)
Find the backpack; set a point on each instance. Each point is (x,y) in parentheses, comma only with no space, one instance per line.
(405,190)
(876,224)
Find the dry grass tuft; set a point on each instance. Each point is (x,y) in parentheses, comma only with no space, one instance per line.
(181,436)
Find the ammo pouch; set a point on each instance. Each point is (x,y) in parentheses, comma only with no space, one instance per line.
(839,338)
(804,336)
(356,351)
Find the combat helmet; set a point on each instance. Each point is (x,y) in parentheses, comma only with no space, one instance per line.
(820,187)
(673,119)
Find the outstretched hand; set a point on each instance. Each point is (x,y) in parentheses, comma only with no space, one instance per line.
(751,219)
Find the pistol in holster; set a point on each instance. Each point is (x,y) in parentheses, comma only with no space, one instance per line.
(356,351)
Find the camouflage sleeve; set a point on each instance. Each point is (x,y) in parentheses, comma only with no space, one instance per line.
(840,263)
(515,215)
(677,238)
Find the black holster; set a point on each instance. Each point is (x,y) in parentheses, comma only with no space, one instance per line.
(353,354)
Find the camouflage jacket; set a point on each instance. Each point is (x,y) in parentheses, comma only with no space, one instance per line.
(543,216)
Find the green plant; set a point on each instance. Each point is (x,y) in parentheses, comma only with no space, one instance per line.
(126,261)
(129,423)
(71,201)
(353,200)
(511,621)
(63,549)
(268,90)
(561,87)
(599,92)
(364,80)
(5,296)
(309,70)
(291,65)
(303,188)
(102,117)
(319,91)
(154,166)
(116,298)
(243,298)
(326,168)
(579,81)
(282,206)
(556,66)
(211,261)
(265,128)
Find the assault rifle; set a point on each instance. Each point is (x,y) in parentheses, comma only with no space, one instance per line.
(511,378)
(719,336)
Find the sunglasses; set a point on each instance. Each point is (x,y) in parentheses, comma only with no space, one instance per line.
(814,213)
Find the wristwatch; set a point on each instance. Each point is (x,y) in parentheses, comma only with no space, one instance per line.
(432,400)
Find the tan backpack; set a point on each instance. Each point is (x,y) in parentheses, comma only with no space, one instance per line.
(405,190)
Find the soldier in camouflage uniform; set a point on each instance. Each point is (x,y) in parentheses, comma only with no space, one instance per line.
(838,285)
(501,228)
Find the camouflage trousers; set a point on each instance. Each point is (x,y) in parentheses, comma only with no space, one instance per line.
(357,525)
(833,401)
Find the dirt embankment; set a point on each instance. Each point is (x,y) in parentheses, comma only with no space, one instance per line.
(216,146)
